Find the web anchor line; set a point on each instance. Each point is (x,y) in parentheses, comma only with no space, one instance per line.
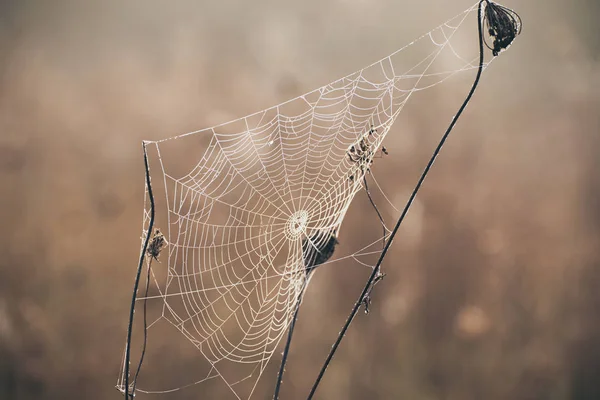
(509,26)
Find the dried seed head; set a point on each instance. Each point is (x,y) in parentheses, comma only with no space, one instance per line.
(156,245)
(503,24)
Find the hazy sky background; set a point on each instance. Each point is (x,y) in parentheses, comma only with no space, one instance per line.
(491,290)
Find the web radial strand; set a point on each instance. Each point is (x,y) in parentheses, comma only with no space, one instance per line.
(243,199)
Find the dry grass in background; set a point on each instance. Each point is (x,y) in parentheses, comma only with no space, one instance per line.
(491,290)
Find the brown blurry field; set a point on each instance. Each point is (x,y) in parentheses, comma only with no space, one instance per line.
(492,284)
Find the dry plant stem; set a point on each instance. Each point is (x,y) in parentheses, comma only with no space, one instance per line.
(137,279)
(293,323)
(376,209)
(375,272)
(287,346)
(137,372)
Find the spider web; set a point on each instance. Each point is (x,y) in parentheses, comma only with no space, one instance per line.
(236,201)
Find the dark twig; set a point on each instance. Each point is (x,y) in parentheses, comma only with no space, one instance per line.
(315,251)
(376,273)
(288,344)
(376,209)
(137,279)
(139,367)
(313,255)
(367,299)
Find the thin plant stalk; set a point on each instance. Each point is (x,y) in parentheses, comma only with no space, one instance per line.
(139,367)
(376,210)
(288,344)
(137,280)
(295,317)
(372,278)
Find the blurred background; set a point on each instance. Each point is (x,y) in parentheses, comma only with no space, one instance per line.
(491,287)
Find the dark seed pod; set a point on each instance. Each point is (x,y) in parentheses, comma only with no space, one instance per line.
(503,24)
(318,249)
(156,245)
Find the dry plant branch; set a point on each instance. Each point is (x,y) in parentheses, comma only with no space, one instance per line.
(504,35)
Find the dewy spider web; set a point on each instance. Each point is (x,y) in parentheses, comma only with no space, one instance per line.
(235,219)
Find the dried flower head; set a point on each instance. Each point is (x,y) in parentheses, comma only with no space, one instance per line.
(503,24)
(156,245)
